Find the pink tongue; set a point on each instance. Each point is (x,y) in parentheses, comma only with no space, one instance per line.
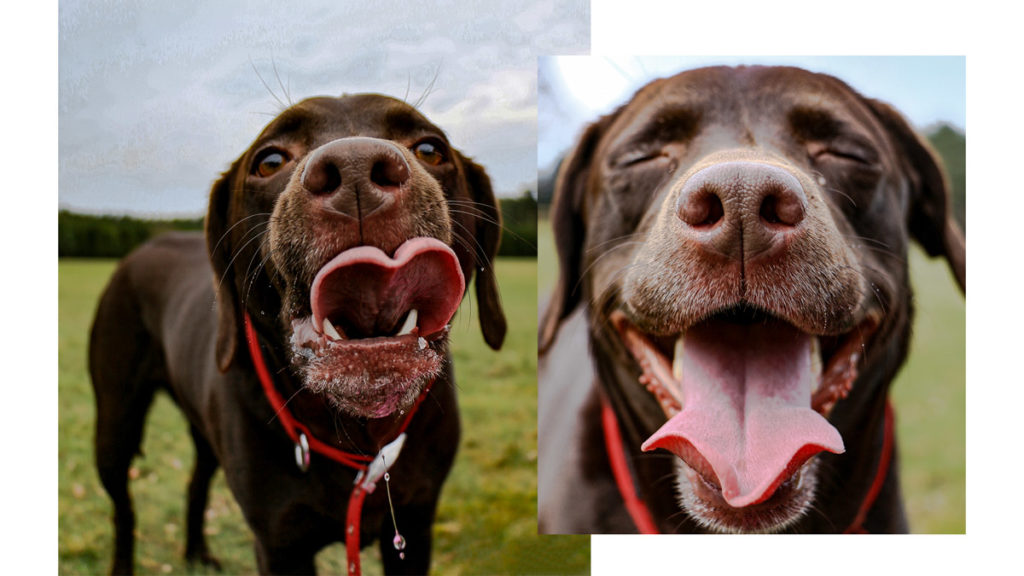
(746,419)
(368,286)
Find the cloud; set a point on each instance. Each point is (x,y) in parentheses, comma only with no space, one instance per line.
(157,99)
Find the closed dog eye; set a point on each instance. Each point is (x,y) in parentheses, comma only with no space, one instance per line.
(637,157)
(842,150)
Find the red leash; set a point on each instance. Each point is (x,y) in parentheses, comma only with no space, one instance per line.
(304,441)
(641,515)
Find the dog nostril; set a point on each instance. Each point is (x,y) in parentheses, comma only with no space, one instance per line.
(702,209)
(784,208)
(389,172)
(323,178)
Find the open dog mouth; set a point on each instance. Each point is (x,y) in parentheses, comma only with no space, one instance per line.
(747,396)
(379,325)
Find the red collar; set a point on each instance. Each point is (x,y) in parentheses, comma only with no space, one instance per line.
(857,526)
(304,441)
(641,515)
(623,475)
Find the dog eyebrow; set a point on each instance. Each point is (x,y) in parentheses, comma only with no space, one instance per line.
(291,120)
(814,123)
(406,122)
(671,123)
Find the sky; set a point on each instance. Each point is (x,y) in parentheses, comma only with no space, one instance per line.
(156,99)
(577,89)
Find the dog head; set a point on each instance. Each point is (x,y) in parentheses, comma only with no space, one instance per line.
(350,227)
(739,238)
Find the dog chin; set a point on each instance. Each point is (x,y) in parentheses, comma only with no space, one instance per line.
(703,502)
(366,398)
(369,378)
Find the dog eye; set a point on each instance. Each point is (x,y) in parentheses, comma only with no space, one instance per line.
(843,155)
(638,157)
(844,151)
(429,153)
(269,163)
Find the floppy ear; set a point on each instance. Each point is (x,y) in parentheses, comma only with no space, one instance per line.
(930,220)
(218,243)
(488,237)
(570,234)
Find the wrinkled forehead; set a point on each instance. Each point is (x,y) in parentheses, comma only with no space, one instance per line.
(789,99)
(322,119)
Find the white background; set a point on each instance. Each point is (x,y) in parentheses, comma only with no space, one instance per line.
(988,33)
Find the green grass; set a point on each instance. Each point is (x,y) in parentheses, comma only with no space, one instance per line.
(930,400)
(487,518)
(929,394)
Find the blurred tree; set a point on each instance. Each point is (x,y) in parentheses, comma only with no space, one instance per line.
(84,236)
(951,144)
(519,221)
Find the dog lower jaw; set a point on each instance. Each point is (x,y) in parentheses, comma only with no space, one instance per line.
(703,502)
(369,377)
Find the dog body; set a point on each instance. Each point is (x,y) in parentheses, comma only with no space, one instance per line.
(345,235)
(732,246)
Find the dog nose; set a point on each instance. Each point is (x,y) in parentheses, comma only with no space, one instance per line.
(741,209)
(356,176)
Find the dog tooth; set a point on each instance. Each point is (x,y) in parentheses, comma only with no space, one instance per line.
(410,323)
(331,331)
(677,360)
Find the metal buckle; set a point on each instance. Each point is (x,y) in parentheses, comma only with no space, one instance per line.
(379,466)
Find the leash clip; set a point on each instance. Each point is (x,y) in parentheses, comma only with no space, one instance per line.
(302,452)
(367,479)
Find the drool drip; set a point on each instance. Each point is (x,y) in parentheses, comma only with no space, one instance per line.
(398,541)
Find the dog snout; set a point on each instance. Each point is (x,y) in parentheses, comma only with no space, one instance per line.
(356,176)
(741,209)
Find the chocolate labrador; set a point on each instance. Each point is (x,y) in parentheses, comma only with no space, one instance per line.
(306,337)
(732,305)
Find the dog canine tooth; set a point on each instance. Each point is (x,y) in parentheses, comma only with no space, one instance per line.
(677,359)
(331,331)
(410,323)
(816,359)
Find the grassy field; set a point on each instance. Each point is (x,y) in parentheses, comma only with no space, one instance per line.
(487,518)
(486,523)
(929,394)
(930,400)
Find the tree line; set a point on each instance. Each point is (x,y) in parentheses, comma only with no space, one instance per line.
(86,236)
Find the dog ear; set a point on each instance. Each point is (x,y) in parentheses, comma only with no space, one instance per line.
(570,234)
(930,220)
(488,237)
(218,243)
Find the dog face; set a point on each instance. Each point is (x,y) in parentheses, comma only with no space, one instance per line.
(350,227)
(740,238)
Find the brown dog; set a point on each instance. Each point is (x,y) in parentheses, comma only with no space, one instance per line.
(341,240)
(733,254)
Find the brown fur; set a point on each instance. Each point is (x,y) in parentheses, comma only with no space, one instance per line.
(171,319)
(865,185)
